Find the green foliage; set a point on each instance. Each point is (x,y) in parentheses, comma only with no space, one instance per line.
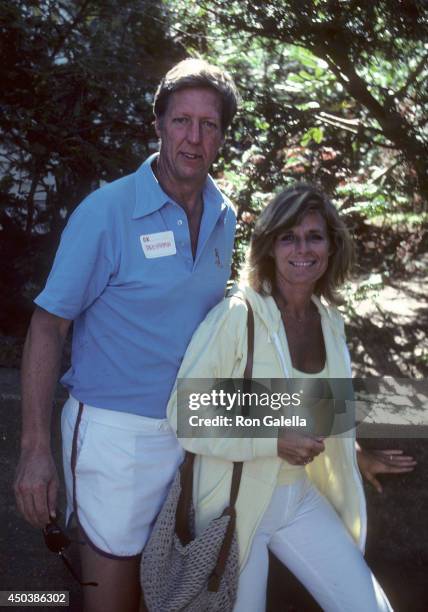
(333,92)
(367,288)
(78,80)
(76,96)
(315,134)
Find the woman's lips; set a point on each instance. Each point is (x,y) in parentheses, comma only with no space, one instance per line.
(302,264)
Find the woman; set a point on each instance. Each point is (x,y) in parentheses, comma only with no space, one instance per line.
(301,495)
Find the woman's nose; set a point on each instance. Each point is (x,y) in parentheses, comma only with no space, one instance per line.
(301,245)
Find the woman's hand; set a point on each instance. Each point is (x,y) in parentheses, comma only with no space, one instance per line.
(391,461)
(298,449)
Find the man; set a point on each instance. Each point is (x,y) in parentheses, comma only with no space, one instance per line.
(140,263)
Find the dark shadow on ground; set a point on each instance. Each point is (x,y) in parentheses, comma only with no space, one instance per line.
(397,547)
(397,540)
(25,562)
(389,349)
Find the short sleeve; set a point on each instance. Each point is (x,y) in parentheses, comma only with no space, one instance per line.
(83,264)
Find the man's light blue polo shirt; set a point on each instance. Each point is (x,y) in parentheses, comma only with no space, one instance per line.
(134,313)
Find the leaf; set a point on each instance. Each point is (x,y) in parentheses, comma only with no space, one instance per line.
(314,133)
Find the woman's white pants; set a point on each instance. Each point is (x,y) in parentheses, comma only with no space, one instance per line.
(304,532)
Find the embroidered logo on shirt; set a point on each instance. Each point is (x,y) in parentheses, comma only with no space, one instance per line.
(160,244)
(217,259)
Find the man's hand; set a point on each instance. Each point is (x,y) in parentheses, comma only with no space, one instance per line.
(298,449)
(374,462)
(36,487)
(36,481)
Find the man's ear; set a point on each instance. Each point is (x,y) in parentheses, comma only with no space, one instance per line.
(158,126)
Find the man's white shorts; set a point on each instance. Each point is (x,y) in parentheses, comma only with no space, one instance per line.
(118,468)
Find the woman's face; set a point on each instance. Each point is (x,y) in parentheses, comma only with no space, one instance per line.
(301,253)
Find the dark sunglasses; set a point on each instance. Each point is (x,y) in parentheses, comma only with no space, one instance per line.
(58,541)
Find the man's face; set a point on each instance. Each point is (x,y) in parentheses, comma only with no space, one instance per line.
(190,133)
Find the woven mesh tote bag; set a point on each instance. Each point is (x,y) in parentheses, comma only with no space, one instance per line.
(181,572)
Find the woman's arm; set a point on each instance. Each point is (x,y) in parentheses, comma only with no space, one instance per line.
(374,462)
(218,350)
(390,461)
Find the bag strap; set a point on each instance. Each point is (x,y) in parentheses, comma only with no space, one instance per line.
(223,555)
(182,527)
(217,574)
(248,372)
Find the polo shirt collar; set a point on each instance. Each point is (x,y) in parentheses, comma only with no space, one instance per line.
(150,196)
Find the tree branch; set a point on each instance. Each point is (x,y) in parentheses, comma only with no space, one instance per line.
(69,29)
(30,202)
(386,171)
(349,125)
(412,77)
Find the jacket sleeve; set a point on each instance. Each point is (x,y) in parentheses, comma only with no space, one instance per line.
(218,350)
(340,326)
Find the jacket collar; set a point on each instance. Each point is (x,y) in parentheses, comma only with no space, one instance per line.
(332,326)
(269,312)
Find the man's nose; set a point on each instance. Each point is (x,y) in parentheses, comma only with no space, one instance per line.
(194,132)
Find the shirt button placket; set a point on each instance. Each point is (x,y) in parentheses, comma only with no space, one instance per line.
(182,243)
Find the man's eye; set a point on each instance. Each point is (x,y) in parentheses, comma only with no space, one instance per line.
(210,125)
(180,120)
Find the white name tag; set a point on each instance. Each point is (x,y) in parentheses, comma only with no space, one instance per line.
(160,244)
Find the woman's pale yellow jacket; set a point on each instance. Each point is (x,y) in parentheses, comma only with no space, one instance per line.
(219,350)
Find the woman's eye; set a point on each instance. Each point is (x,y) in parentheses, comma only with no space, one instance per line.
(317,237)
(286,238)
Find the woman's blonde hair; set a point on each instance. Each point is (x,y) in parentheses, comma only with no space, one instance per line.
(282,213)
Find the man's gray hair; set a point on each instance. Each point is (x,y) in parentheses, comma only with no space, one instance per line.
(198,73)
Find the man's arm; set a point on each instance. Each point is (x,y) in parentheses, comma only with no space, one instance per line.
(36,480)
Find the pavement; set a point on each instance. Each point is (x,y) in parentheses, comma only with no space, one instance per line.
(397,546)
(25,562)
